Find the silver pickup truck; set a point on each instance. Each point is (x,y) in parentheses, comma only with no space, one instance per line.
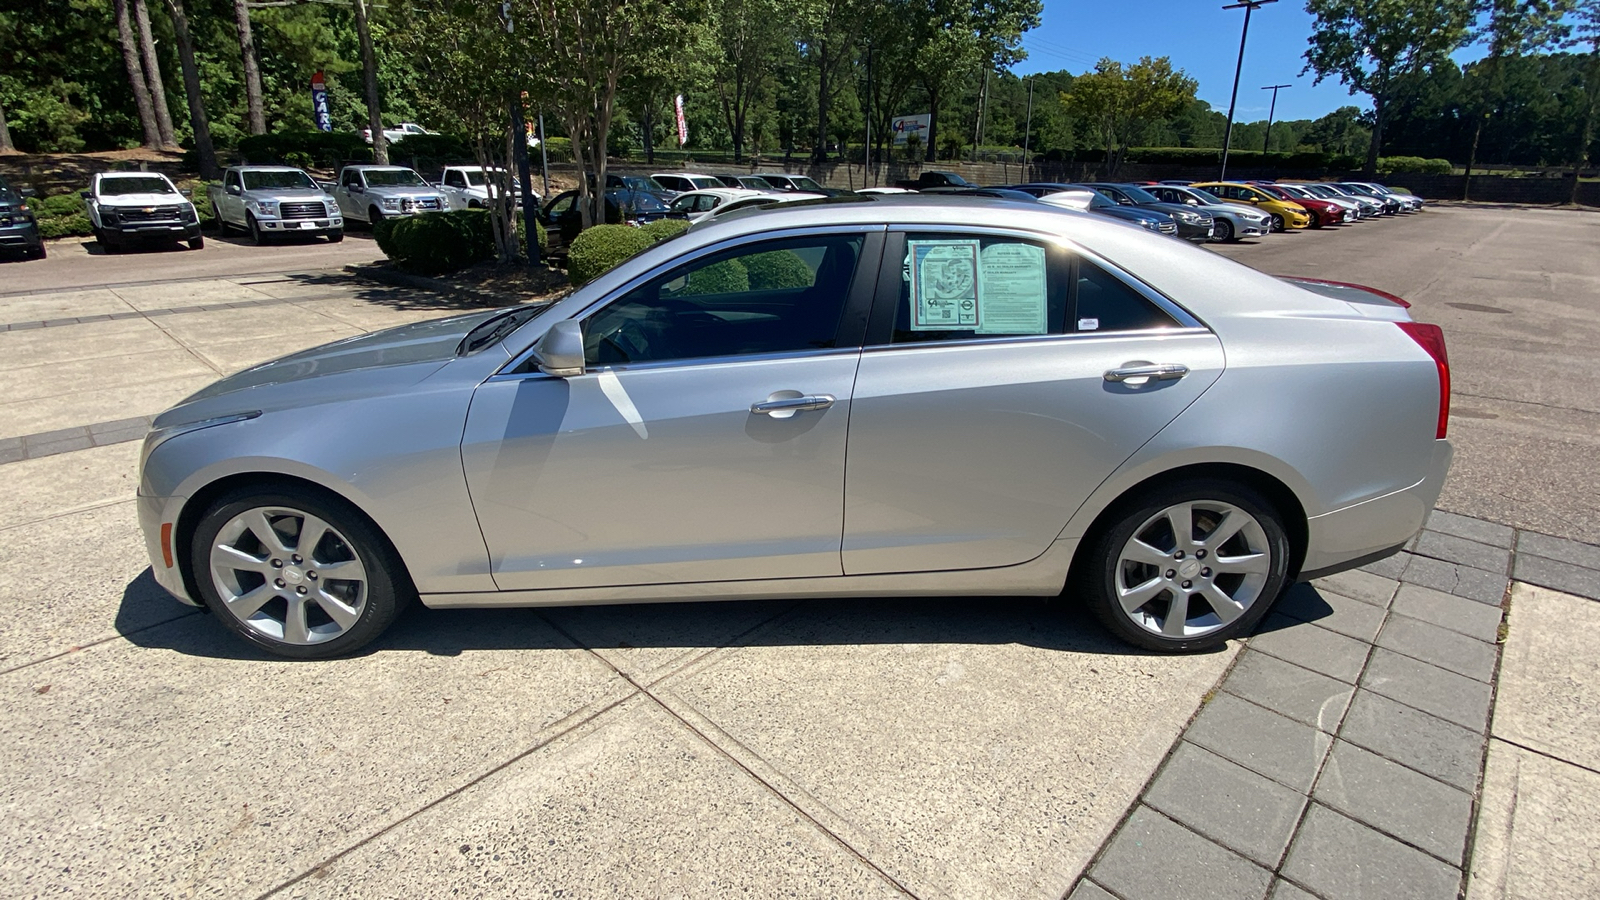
(271,200)
(369,193)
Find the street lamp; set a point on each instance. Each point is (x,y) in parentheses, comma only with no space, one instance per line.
(1249,6)
(1272,110)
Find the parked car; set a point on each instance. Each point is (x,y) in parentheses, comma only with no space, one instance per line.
(371,193)
(266,201)
(804,184)
(1193,224)
(1286,215)
(930,180)
(748,182)
(140,207)
(698,204)
(564,219)
(1230,221)
(763,201)
(1098,204)
(398,133)
(884,190)
(1369,207)
(1323,213)
(682,428)
(19,230)
(682,182)
(1300,193)
(1408,202)
(993,193)
(1391,206)
(469,187)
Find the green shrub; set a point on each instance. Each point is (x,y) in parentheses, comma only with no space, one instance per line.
(661,229)
(59,205)
(64,226)
(601,248)
(558,149)
(1390,165)
(726,277)
(436,147)
(322,147)
(433,243)
(522,233)
(778,269)
(383,235)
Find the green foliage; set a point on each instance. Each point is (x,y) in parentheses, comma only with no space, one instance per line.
(1118,101)
(558,149)
(440,148)
(1389,165)
(59,205)
(75,224)
(727,277)
(522,232)
(661,229)
(329,149)
(601,248)
(435,243)
(777,270)
(383,236)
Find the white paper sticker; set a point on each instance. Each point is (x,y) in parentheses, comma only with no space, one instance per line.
(944,285)
(1012,290)
(1088,324)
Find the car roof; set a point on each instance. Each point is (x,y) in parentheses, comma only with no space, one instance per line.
(683,174)
(129,175)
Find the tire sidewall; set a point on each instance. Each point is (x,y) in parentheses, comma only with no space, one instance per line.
(388,588)
(1226,227)
(1097,580)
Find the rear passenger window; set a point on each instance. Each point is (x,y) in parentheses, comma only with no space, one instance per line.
(958,287)
(1106,303)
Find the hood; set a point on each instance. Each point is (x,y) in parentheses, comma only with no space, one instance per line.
(405,191)
(292,193)
(409,345)
(142,200)
(1134,215)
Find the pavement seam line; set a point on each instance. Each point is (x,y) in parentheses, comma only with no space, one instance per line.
(79,648)
(454,792)
(69,512)
(782,797)
(1544,753)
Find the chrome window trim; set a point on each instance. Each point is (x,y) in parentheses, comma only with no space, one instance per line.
(1074,337)
(1184,318)
(521,356)
(684,363)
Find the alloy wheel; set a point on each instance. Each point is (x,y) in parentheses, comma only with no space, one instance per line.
(1192,569)
(1277,222)
(288,575)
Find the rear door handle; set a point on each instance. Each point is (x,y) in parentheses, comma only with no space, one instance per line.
(1147,372)
(784,407)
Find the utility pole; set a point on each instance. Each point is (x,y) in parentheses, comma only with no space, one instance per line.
(866,152)
(1249,6)
(1266,143)
(977,127)
(1027,134)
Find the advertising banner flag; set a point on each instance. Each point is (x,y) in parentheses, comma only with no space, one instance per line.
(319,104)
(683,127)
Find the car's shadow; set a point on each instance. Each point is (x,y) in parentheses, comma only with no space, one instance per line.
(1058,624)
(135,248)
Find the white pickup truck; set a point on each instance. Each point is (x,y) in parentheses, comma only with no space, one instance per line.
(125,207)
(371,193)
(398,132)
(265,201)
(468,187)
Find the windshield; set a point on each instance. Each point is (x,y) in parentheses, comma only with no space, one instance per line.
(646,203)
(705,182)
(1205,196)
(641,183)
(494,328)
(1098,200)
(805,184)
(116,187)
(1138,194)
(756,182)
(394,178)
(1294,190)
(255,181)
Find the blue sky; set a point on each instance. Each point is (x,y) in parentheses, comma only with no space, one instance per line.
(1203,40)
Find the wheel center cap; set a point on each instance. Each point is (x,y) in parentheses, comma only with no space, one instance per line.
(1190,568)
(293,575)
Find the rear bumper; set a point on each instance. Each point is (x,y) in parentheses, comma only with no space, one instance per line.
(1375,528)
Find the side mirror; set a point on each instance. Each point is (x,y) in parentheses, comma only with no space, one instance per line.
(188,193)
(233,189)
(560,351)
(87,195)
(29,193)
(1192,202)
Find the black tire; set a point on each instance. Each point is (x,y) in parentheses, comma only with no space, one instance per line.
(388,586)
(1096,575)
(254,227)
(1278,224)
(37,251)
(335,237)
(197,243)
(107,242)
(374,216)
(1223,231)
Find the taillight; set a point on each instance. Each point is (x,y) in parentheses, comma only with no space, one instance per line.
(1431,339)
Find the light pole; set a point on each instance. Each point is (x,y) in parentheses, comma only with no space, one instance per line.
(1249,6)
(1272,110)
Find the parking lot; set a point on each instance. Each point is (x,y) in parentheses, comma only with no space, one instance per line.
(952,748)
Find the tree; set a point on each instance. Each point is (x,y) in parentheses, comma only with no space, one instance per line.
(130,60)
(956,40)
(254,110)
(5,133)
(369,81)
(751,33)
(198,121)
(152,74)
(1367,44)
(830,31)
(1117,102)
(1586,36)
(1512,28)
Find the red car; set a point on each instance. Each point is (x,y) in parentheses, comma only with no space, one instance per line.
(1323,212)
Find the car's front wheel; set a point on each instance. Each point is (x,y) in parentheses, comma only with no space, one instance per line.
(1222,231)
(1277,223)
(297,573)
(1186,567)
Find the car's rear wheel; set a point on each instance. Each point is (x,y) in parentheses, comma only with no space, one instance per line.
(297,573)
(1186,567)
(1277,222)
(1222,230)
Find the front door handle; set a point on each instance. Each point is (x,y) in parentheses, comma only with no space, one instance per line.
(1144,373)
(784,407)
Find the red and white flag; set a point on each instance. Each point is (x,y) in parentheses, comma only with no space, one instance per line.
(683,127)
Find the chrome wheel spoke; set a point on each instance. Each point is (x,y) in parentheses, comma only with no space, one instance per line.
(1140,552)
(344,570)
(1138,595)
(1226,608)
(269,584)
(1181,518)
(248,604)
(1248,564)
(1232,523)
(342,615)
(224,557)
(295,630)
(311,531)
(257,523)
(1177,615)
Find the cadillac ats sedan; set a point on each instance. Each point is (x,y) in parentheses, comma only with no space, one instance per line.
(872,396)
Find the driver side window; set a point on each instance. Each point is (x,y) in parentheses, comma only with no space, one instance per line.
(767,297)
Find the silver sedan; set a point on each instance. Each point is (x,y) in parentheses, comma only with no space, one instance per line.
(879,396)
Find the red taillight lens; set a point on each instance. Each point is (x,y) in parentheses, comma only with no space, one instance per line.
(1431,339)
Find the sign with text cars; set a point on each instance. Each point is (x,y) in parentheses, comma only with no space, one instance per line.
(903,127)
(319,103)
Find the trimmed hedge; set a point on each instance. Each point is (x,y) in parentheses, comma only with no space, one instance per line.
(661,229)
(726,277)
(74,225)
(436,147)
(601,248)
(1389,165)
(778,269)
(59,205)
(305,148)
(437,242)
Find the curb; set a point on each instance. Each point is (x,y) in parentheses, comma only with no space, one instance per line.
(395,278)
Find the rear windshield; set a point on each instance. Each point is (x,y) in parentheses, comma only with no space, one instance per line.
(116,187)
(255,181)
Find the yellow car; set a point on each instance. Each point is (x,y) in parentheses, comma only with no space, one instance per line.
(1285,215)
